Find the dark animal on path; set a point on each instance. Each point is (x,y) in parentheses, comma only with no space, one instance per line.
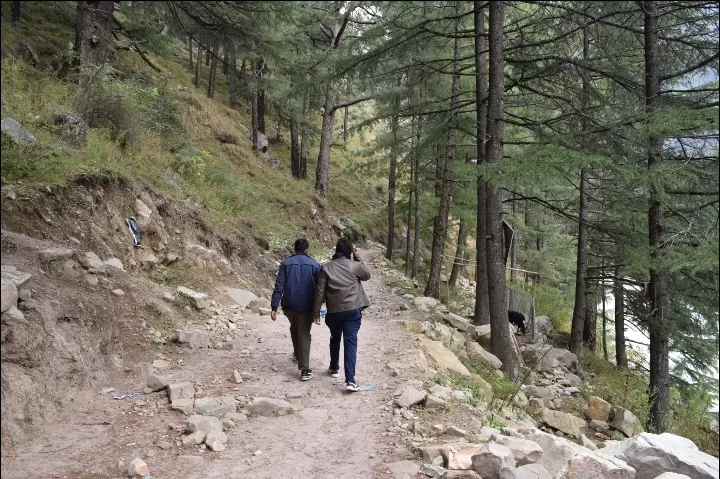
(517,319)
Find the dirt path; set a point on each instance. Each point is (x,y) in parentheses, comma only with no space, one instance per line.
(335,433)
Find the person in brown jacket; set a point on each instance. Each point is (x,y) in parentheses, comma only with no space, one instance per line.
(338,285)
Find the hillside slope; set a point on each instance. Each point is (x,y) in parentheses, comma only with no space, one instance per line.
(146,145)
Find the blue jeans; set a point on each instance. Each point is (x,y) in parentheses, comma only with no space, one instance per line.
(344,326)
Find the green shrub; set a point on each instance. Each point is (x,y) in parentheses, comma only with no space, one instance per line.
(553,303)
(159,113)
(103,108)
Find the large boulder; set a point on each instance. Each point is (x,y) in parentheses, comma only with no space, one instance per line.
(563,458)
(180,391)
(562,421)
(411,325)
(478,354)
(625,422)
(547,358)
(494,461)
(16,132)
(242,297)
(72,126)
(532,471)
(444,357)
(270,407)
(598,409)
(214,406)
(91,262)
(56,254)
(261,138)
(458,322)
(538,392)
(206,424)
(403,470)
(8,295)
(197,300)
(425,303)
(257,304)
(483,336)
(439,332)
(20,278)
(654,454)
(454,455)
(410,397)
(192,339)
(524,451)
(543,325)
(412,359)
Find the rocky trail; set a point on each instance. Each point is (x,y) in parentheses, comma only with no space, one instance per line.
(219,396)
(328,432)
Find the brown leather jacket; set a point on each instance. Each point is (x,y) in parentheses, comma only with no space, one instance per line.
(338,285)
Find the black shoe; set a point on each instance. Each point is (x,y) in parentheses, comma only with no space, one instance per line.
(306,375)
(352,386)
(334,373)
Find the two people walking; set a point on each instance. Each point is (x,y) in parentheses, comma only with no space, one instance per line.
(303,289)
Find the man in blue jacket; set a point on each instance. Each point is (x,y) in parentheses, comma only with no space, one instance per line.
(295,284)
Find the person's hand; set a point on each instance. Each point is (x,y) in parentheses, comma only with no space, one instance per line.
(317,319)
(273,315)
(356,257)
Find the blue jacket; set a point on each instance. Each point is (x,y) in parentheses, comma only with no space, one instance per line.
(295,283)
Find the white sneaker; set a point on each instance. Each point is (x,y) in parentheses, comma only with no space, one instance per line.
(334,373)
(352,386)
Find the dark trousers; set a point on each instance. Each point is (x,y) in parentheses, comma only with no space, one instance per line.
(300,324)
(344,326)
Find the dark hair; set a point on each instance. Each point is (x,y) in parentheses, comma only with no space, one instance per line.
(301,245)
(343,248)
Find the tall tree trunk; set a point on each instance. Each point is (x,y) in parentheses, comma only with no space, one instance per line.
(232,77)
(213,70)
(440,227)
(15,13)
(439,165)
(392,180)
(305,144)
(261,111)
(459,255)
(411,193)
(190,53)
(259,69)
(346,113)
(619,296)
(198,60)
(322,173)
(501,341)
(226,61)
(411,196)
(416,211)
(294,147)
(241,76)
(579,313)
(94,41)
(512,300)
(207,56)
(578,319)
(482,305)
(254,114)
(658,288)
(604,319)
(590,322)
